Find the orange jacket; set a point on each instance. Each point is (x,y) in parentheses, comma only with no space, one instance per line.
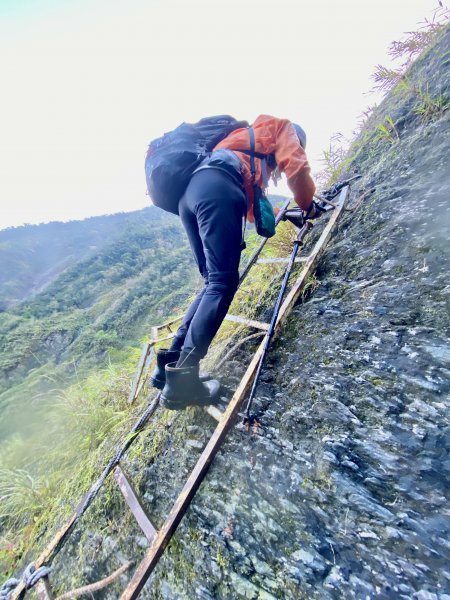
(277,137)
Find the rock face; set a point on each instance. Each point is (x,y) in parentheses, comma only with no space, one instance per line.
(344,493)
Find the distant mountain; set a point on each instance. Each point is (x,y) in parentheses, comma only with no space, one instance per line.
(32,256)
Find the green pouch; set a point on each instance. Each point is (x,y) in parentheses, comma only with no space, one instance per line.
(263,212)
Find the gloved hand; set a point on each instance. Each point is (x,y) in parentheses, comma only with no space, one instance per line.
(313,212)
(334,190)
(331,192)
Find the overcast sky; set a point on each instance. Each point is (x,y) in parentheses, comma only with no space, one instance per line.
(85,85)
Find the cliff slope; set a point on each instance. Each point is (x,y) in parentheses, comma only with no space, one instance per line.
(346,493)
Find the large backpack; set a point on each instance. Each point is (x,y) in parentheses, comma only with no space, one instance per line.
(172,159)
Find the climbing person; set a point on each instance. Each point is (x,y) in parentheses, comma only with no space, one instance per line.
(213,208)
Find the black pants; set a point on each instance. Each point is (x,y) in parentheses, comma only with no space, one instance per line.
(211,210)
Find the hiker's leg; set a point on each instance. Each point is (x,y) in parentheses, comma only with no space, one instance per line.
(190,225)
(219,205)
(180,335)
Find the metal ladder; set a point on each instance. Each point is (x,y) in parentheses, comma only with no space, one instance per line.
(158,540)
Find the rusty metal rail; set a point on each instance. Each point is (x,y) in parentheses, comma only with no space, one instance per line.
(159,540)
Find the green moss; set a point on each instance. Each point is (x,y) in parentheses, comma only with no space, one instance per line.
(221,559)
(321,480)
(340,291)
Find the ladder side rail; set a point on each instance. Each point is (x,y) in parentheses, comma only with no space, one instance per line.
(43,590)
(145,372)
(146,349)
(317,251)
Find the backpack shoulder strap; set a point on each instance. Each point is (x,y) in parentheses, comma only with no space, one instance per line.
(252,153)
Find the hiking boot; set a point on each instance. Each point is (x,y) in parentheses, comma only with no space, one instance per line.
(185,388)
(163,357)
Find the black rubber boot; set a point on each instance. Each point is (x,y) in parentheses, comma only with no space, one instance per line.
(185,388)
(163,356)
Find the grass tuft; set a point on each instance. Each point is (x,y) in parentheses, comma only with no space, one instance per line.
(387,131)
(83,426)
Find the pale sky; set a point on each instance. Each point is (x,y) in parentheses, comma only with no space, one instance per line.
(86,85)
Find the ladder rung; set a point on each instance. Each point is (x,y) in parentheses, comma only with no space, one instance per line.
(135,504)
(269,261)
(249,322)
(167,324)
(214,412)
(164,339)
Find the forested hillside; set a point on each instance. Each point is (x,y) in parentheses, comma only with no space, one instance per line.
(32,256)
(140,270)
